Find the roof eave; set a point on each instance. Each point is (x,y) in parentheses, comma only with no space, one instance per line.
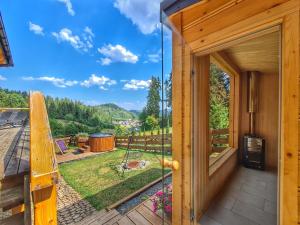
(170,7)
(5,45)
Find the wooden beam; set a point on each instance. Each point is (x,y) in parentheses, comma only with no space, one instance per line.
(243,26)
(187,136)
(201,132)
(177,113)
(289,146)
(43,164)
(222,60)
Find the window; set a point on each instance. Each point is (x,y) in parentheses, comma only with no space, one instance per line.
(219,110)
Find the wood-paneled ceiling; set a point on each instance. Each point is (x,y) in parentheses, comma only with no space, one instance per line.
(259,54)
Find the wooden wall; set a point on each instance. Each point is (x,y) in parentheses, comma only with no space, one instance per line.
(219,178)
(266,118)
(210,26)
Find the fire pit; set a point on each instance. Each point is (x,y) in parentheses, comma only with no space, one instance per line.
(133,165)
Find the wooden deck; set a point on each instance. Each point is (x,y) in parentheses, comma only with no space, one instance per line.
(140,215)
(14,149)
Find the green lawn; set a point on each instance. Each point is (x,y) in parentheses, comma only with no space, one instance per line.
(97,180)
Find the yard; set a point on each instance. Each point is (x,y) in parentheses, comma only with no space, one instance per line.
(98,180)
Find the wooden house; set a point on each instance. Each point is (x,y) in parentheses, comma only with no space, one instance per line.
(241,37)
(5,55)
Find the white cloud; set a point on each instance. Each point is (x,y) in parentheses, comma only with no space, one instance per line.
(116,53)
(136,84)
(89,31)
(66,35)
(154,57)
(58,82)
(2,78)
(69,6)
(101,81)
(35,28)
(143,13)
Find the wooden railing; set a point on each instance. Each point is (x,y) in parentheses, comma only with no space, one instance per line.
(219,139)
(43,164)
(150,143)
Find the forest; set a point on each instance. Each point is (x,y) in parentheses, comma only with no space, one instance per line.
(69,117)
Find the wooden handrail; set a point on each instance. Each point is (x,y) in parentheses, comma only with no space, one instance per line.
(43,163)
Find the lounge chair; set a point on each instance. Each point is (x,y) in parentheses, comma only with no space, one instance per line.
(61,145)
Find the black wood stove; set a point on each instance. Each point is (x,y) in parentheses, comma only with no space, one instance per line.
(254,146)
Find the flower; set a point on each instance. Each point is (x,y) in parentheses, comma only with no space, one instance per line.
(168,209)
(162,200)
(159,193)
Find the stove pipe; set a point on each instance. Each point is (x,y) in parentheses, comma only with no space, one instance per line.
(252,99)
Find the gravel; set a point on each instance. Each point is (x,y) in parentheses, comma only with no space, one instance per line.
(128,205)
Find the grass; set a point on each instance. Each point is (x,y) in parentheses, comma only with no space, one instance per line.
(97,180)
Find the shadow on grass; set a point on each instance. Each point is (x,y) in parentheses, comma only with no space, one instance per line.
(108,196)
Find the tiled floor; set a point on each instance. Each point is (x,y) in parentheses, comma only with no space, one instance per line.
(248,199)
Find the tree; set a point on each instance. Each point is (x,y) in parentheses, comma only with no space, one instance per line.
(121,130)
(153,98)
(151,123)
(168,90)
(219,98)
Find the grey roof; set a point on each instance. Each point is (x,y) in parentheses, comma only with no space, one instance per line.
(4,44)
(170,7)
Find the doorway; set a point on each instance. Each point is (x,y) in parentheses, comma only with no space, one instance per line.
(225,192)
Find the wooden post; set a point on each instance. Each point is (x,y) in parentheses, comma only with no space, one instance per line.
(45,206)
(177,106)
(43,164)
(289,167)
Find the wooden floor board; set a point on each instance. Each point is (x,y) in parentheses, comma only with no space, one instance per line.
(137,218)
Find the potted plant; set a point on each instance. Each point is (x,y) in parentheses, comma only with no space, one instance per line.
(162,201)
(82,139)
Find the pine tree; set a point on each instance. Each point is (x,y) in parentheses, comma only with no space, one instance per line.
(153,98)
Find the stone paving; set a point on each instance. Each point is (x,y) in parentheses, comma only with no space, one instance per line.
(71,207)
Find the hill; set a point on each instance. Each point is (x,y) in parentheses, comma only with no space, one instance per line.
(115,112)
(68,117)
(136,112)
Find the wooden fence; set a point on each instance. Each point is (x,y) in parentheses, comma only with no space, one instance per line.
(219,141)
(150,143)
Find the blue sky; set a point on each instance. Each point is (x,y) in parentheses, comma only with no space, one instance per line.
(93,51)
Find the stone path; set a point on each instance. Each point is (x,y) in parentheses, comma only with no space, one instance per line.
(4,215)
(71,207)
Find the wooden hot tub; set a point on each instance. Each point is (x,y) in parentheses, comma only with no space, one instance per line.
(101,142)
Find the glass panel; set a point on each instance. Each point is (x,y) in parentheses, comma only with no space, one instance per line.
(177,60)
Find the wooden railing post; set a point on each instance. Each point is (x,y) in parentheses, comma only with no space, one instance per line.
(43,164)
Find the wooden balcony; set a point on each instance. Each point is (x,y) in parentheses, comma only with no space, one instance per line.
(28,169)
